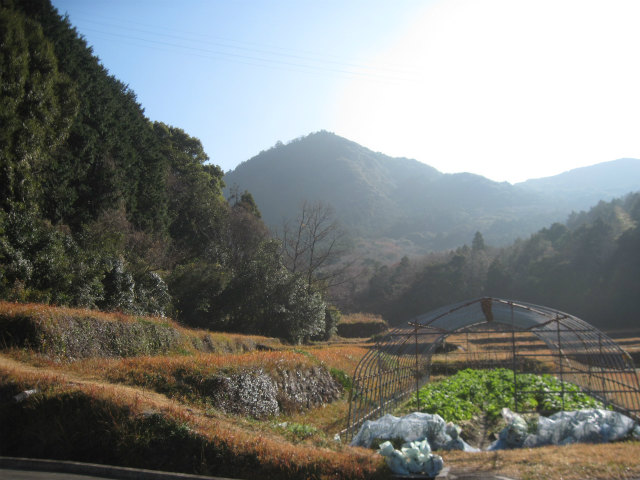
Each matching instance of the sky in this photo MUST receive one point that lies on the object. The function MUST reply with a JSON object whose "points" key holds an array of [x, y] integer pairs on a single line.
{"points": [[507, 89]]}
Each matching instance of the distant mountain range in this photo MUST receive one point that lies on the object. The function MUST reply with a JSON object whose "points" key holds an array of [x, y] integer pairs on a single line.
{"points": [[584, 187], [410, 207]]}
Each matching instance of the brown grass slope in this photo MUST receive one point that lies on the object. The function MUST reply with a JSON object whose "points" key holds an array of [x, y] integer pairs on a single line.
{"points": [[140, 410], [126, 401], [88, 420]]}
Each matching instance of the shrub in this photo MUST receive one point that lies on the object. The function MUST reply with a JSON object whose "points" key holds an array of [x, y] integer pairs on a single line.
{"points": [[69, 334], [298, 431], [361, 325], [342, 378]]}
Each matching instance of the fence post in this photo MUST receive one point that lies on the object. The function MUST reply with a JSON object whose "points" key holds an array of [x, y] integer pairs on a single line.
{"points": [[415, 331]]}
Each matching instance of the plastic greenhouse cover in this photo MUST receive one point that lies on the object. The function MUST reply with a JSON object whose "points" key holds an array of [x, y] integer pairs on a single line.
{"points": [[563, 428], [414, 427]]}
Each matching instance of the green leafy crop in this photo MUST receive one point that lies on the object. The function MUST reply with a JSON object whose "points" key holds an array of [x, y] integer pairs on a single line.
{"points": [[486, 392]]}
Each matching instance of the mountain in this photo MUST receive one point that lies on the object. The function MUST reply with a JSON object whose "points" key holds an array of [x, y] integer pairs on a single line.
{"points": [[587, 266], [358, 183], [583, 187], [403, 202]]}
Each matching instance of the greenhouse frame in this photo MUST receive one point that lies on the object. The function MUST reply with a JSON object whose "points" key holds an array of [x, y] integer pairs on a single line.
{"points": [[492, 333]]}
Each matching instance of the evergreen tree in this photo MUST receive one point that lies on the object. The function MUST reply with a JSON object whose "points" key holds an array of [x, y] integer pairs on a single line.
{"points": [[37, 106]]}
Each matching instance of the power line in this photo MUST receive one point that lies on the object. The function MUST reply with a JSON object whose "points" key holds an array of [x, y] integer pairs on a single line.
{"points": [[264, 57], [224, 43], [251, 60]]}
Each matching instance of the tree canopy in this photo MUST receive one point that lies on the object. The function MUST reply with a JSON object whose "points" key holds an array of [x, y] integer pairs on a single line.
{"points": [[587, 266], [103, 208]]}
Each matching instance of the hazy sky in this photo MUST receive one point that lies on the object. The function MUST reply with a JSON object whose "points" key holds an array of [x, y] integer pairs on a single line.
{"points": [[507, 89]]}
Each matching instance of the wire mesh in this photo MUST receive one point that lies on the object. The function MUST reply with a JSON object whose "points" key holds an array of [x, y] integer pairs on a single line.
{"points": [[492, 333]]}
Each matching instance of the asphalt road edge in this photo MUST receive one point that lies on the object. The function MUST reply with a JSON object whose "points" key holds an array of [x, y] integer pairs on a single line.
{"points": [[94, 469]]}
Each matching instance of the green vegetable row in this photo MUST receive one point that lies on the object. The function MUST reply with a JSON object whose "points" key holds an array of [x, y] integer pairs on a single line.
{"points": [[486, 392]]}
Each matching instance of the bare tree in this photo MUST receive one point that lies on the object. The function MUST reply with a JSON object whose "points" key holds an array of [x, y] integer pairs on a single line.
{"points": [[313, 244]]}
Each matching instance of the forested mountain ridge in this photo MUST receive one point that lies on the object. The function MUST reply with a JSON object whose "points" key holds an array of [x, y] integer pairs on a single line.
{"points": [[587, 266], [584, 187], [409, 202], [102, 208], [323, 166]]}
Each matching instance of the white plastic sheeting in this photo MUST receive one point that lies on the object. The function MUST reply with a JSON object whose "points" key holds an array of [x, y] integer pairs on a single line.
{"points": [[421, 431], [414, 427], [563, 428], [412, 458]]}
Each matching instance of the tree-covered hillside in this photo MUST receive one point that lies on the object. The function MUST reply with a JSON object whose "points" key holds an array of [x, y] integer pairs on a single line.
{"points": [[409, 204], [587, 266], [381, 197], [104, 209], [584, 187]]}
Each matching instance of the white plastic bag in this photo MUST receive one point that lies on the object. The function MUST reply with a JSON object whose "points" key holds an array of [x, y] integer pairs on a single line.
{"points": [[563, 428], [410, 428], [412, 458]]}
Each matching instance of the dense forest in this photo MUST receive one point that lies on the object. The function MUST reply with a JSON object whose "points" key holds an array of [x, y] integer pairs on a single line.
{"points": [[102, 208], [588, 266], [400, 206], [382, 199]]}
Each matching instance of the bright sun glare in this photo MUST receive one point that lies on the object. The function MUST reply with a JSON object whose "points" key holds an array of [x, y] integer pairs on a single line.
{"points": [[508, 89]]}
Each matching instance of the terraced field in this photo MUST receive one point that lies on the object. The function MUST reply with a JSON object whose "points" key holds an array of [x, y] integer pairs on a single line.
{"points": [[164, 397]]}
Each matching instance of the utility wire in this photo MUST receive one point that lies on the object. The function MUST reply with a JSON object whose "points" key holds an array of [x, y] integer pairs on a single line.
{"points": [[224, 43], [251, 60], [260, 57], [160, 29]]}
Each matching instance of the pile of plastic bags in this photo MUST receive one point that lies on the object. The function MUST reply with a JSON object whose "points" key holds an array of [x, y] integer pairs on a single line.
{"points": [[422, 431], [414, 427], [412, 458], [419, 432], [563, 428]]}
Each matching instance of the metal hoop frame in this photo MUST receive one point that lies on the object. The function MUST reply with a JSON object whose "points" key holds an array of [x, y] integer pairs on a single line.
{"points": [[489, 333]]}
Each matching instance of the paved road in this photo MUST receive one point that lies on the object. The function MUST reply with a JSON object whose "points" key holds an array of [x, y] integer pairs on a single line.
{"points": [[9, 474], [30, 469], [12, 474], [33, 469]]}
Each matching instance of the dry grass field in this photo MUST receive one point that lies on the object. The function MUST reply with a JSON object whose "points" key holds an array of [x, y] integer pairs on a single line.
{"points": [[572, 462], [148, 418]]}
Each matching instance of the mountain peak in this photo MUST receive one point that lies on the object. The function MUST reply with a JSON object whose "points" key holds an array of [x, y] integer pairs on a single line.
{"points": [[322, 166], [585, 186], [409, 204]]}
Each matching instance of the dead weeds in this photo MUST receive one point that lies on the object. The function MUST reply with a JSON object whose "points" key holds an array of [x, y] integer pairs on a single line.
{"points": [[571, 462]]}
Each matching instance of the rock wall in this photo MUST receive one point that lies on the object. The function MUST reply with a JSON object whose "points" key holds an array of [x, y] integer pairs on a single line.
{"points": [[300, 389], [251, 393], [258, 394]]}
